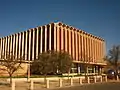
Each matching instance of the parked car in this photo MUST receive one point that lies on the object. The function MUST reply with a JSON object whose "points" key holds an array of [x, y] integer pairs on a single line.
{"points": [[110, 74]]}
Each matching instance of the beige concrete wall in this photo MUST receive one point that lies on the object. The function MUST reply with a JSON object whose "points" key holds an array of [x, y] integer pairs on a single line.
{"points": [[21, 71]]}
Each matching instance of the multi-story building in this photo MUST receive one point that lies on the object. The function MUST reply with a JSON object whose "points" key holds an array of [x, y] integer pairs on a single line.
{"points": [[85, 48]]}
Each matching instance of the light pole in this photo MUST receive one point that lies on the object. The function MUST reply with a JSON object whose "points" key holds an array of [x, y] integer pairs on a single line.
{"points": [[28, 75]]}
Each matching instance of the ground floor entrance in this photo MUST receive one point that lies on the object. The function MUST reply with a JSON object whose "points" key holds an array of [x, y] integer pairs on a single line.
{"points": [[85, 68]]}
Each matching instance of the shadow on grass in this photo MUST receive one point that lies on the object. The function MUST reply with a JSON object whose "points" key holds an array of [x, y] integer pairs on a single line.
{"points": [[4, 84]]}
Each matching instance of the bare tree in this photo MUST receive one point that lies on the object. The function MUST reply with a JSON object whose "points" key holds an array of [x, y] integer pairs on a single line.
{"points": [[113, 58], [10, 64]]}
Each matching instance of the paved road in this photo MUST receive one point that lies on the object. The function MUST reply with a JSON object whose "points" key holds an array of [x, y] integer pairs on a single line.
{"points": [[98, 86]]}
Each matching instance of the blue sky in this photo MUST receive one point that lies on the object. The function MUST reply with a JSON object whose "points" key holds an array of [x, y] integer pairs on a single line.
{"points": [[98, 17]]}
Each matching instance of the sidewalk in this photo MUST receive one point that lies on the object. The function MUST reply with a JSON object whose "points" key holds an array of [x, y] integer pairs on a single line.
{"points": [[54, 84]]}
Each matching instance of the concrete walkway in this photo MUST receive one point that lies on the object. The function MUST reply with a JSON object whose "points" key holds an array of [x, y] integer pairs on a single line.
{"points": [[111, 85], [98, 86], [55, 86]]}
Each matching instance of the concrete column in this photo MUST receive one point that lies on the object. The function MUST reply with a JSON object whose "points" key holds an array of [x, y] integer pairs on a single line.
{"points": [[13, 85], [93, 49], [97, 59], [91, 43], [19, 45], [5, 46], [69, 41], [8, 44], [55, 36], [117, 78], [97, 50], [31, 85], [82, 46], [0, 48], [23, 44], [29, 54], [103, 49], [90, 49], [106, 78], [71, 81], [87, 70], [62, 40], [87, 50], [79, 53], [66, 42], [11, 49], [3, 52], [100, 70], [76, 45], [88, 79], [37, 42], [73, 45], [94, 79], [41, 41], [45, 38], [28, 71], [58, 38], [26, 47], [101, 79], [85, 53], [80, 81], [94, 70], [60, 82], [47, 84], [78, 69], [100, 52], [33, 46], [16, 45], [50, 36], [97, 70]]}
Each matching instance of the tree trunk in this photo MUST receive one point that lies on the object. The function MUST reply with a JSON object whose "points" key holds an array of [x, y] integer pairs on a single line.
{"points": [[45, 76], [116, 73], [10, 79], [85, 72], [68, 73]]}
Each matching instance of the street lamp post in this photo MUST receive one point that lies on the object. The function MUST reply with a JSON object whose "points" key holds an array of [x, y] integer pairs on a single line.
{"points": [[28, 76]]}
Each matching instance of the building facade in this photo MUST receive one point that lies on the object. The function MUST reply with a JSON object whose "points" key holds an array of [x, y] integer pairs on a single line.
{"points": [[85, 48]]}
